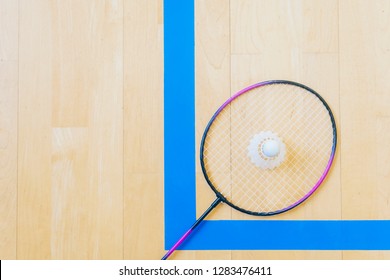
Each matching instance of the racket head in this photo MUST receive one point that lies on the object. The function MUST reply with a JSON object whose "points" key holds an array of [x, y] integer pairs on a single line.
{"points": [[273, 92]]}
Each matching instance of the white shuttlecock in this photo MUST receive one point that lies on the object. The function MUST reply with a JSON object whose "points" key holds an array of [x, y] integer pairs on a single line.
{"points": [[266, 150]]}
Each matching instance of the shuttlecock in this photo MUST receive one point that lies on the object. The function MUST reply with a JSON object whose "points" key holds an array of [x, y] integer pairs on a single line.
{"points": [[266, 150]]}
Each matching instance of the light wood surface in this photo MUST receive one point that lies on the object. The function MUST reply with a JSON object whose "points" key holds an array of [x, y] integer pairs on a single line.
{"points": [[81, 116], [365, 103], [70, 152], [143, 128], [9, 22]]}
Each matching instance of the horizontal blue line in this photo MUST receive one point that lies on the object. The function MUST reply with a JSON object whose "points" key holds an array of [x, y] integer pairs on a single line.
{"points": [[291, 235]]}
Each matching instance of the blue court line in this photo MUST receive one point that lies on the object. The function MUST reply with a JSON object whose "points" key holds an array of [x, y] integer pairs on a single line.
{"points": [[290, 235], [179, 173], [179, 117]]}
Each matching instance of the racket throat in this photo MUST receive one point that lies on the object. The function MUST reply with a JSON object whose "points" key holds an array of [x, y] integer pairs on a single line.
{"points": [[205, 214]]}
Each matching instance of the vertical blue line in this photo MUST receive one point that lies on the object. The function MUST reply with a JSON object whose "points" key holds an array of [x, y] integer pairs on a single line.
{"points": [[179, 118]]}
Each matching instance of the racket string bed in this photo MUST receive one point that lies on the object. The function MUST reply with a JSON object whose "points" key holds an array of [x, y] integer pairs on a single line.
{"points": [[304, 166]]}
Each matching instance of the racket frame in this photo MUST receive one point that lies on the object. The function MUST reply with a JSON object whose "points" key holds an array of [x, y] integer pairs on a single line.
{"points": [[317, 184]]}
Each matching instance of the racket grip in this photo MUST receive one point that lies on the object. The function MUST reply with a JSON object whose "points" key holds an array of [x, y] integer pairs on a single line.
{"points": [[177, 244]]}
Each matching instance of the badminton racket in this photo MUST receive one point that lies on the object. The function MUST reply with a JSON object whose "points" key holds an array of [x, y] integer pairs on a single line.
{"points": [[267, 149]]}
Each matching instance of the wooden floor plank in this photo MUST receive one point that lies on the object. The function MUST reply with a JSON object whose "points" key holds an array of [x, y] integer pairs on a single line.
{"points": [[9, 45], [143, 130], [365, 118], [70, 203]]}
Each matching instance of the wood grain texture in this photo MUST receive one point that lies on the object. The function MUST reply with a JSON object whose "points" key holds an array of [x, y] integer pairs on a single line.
{"points": [[365, 117], [144, 221], [34, 143], [8, 158], [70, 168], [9, 22], [143, 130], [9, 26], [266, 26], [365, 101], [143, 87], [366, 255], [212, 54], [212, 71]]}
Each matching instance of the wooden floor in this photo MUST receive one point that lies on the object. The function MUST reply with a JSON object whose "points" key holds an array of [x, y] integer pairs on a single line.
{"points": [[81, 116]]}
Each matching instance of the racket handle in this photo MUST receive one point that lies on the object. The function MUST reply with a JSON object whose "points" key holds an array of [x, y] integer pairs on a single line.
{"points": [[197, 222], [177, 244]]}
